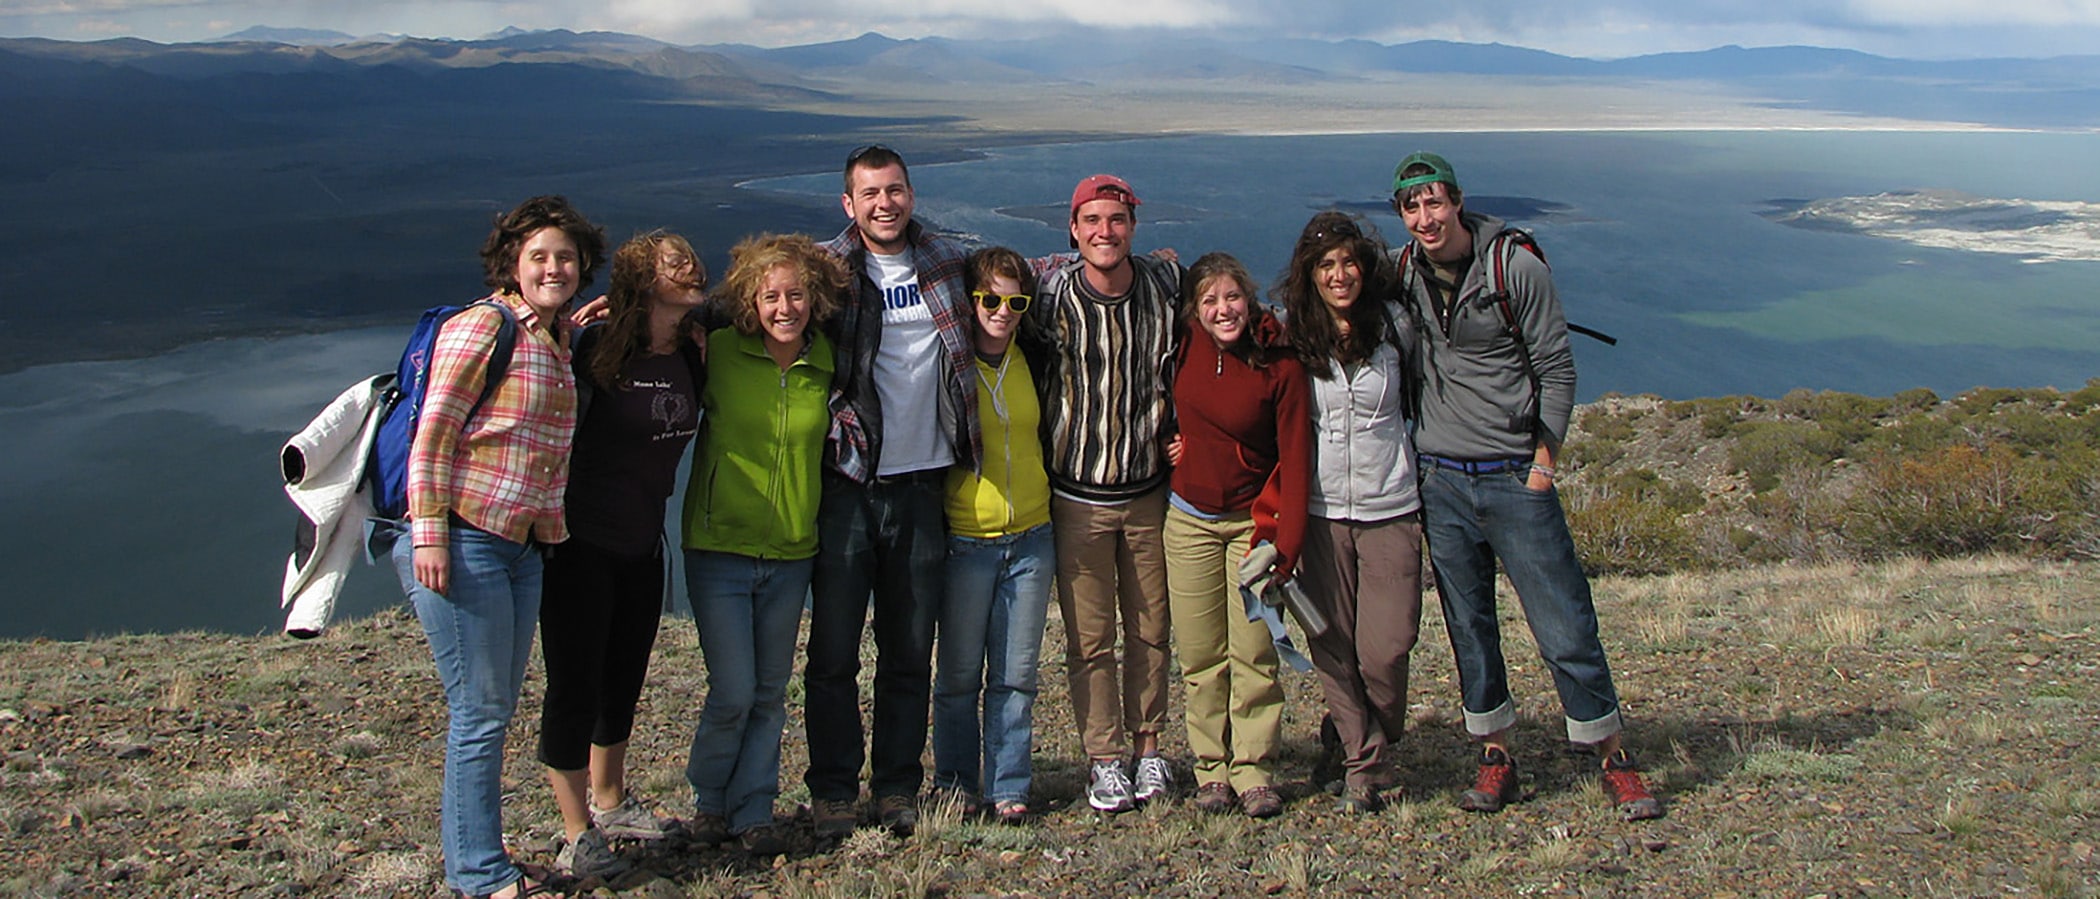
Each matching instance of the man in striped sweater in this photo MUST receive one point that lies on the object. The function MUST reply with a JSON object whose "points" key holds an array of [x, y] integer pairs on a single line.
{"points": [[1108, 321]]}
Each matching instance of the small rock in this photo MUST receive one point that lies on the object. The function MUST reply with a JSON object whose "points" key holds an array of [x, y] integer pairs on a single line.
{"points": [[2028, 659], [129, 751], [27, 821], [1655, 845]]}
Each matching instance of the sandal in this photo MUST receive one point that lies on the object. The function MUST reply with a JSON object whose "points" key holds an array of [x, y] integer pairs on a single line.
{"points": [[1010, 811]]}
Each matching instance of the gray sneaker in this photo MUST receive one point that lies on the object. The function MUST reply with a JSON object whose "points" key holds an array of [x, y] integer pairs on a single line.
{"points": [[1153, 778], [1108, 788], [589, 855], [627, 821]]}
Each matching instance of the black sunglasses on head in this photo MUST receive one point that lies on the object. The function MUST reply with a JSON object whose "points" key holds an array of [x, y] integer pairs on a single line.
{"points": [[1018, 302], [862, 152]]}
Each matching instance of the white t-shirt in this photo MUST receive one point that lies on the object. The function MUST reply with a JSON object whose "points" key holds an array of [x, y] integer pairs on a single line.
{"points": [[908, 370]]}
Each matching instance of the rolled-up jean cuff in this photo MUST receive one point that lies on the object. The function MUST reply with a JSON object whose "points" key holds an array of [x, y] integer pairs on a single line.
{"points": [[1589, 732], [1499, 719]]}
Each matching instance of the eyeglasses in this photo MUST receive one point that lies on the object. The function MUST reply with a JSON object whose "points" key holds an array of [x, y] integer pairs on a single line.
{"points": [[1018, 302]]}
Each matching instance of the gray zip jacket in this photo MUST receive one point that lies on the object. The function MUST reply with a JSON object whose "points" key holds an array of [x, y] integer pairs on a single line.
{"points": [[1363, 464], [1475, 399]]}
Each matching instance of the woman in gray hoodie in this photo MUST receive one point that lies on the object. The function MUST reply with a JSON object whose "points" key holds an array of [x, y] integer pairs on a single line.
{"points": [[1362, 559]]}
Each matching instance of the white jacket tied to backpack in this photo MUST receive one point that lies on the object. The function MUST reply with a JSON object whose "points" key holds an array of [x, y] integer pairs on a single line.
{"points": [[323, 467]]}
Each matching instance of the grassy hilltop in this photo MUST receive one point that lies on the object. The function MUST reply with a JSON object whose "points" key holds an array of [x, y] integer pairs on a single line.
{"points": [[1823, 713]]}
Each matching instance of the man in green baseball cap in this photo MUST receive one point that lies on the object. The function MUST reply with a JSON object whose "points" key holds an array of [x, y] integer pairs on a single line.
{"points": [[1496, 384]]}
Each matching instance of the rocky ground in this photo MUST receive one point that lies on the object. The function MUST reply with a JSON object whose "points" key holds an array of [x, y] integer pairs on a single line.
{"points": [[1907, 729]]}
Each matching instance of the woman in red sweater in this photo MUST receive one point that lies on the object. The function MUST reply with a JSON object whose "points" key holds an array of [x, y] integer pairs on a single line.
{"points": [[1240, 479]]}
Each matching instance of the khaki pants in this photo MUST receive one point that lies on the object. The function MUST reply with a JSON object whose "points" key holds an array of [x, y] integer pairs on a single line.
{"points": [[1109, 560], [1234, 706]]}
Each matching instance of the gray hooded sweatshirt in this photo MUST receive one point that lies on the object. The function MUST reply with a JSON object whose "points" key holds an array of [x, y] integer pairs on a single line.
{"points": [[1476, 401]]}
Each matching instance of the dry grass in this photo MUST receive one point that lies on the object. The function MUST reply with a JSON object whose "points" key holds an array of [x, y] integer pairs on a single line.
{"points": [[1901, 729]]}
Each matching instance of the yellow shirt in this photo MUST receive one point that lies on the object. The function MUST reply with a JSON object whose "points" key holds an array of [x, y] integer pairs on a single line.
{"points": [[1012, 494]]}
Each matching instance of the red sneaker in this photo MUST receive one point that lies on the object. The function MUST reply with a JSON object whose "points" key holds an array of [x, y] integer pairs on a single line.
{"points": [[1495, 785], [1623, 787]]}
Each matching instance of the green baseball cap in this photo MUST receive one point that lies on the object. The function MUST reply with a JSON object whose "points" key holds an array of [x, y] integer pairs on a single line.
{"points": [[1439, 170]]}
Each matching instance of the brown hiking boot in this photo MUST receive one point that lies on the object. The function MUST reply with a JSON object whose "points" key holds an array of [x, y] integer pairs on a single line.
{"points": [[1626, 792], [833, 817], [1495, 785], [1215, 798]]}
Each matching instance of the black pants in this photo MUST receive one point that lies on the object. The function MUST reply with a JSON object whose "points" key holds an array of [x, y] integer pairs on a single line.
{"points": [[883, 544], [598, 617]]}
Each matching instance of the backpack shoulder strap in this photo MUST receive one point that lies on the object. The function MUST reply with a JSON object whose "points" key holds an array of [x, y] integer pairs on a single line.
{"points": [[499, 357], [1500, 250]]}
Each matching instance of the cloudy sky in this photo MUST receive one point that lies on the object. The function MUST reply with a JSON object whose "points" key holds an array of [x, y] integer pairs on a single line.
{"points": [[1610, 28]]}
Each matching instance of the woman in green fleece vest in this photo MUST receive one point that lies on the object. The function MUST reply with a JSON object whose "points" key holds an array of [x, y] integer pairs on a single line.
{"points": [[750, 523]]}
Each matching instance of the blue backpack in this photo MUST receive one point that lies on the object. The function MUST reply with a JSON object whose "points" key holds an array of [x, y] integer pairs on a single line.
{"points": [[386, 469]]}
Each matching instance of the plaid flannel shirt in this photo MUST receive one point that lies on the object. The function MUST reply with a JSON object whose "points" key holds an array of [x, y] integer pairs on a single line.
{"points": [[855, 441], [505, 469]]}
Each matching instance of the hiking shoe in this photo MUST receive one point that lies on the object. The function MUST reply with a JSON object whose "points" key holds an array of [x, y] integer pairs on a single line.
{"points": [[1495, 785], [1328, 769], [1261, 802], [1361, 800], [898, 813], [833, 817], [1153, 778], [1108, 788], [1624, 789], [762, 841], [1215, 798], [627, 821], [708, 829], [589, 855]]}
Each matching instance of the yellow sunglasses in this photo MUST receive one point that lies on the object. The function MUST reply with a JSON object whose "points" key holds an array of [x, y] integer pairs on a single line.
{"points": [[1018, 302]]}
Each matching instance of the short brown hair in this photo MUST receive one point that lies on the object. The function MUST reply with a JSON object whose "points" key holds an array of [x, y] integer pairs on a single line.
{"points": [[499, 253], [874, 156]]}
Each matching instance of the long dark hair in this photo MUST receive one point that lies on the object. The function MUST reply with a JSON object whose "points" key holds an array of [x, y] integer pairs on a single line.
{"points": [[1312, 329], [635, 266]]}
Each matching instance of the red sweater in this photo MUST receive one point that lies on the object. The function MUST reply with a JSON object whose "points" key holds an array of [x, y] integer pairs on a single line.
{"points": [[1246, 436]]}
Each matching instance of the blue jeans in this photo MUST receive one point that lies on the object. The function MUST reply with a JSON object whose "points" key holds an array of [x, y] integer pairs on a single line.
{"points": [[747, 611], [884, 543], [991, 638], [480, 636], [1474, 520]]}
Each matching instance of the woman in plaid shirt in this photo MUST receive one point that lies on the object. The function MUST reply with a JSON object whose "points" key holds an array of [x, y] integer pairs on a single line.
{"points": [[484, 499]]}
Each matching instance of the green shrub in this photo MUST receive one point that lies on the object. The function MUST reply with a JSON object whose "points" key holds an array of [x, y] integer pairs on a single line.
{"points": [[1597, 422], [1764, 450], [1916, 399], [1956, 500], [1623, 533]]}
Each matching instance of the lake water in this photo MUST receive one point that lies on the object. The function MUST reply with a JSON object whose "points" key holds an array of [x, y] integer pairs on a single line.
{"points": [[143, 494]]}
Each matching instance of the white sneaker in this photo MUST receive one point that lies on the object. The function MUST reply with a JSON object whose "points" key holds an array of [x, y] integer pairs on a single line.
{"points": [[1109, 789], [1153, 778], [627, 821]]}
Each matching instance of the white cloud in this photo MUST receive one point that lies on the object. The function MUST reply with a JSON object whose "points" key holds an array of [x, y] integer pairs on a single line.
{"points": [[1597, 29]]}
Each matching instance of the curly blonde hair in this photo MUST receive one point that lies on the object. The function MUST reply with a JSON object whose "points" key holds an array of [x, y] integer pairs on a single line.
{"points": [[822, 276]]}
